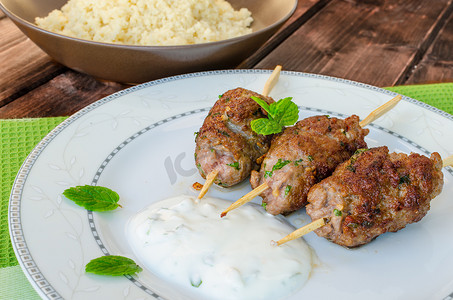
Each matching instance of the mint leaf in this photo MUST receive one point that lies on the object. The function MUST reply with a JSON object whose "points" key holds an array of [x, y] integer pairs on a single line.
{"points": [[262, 103], [282, 113], [95, 198], [113, 265], [265, 126], [286, 112]]}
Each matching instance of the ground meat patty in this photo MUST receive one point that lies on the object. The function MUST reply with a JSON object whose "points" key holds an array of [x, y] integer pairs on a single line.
{"points": [[303, 155], [375, 192], [226, 141]]}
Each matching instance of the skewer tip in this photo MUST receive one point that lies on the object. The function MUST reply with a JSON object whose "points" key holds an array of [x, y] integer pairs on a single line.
{"points": [[272, 80], [380, 111], [246, 198], [209, 181], [448, 162], [302, 231]]}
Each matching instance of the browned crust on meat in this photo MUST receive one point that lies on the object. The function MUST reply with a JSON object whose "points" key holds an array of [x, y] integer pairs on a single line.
{"points": [[312, 148], [375, 192], [226, 142]]}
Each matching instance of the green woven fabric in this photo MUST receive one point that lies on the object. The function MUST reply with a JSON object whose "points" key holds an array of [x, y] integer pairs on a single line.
{"points": [[18, 138], [15, 286], [438, 95]]}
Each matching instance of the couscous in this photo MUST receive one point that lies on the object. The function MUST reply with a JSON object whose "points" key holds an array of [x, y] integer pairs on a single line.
{"points": [[149, 22]]}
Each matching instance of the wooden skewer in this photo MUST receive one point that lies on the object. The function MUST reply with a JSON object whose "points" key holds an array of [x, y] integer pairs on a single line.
{"points": [[246, 198], [323, 221], [374, 115], [249, 196], [270, 83], [209, 181], [301, 231], [448, 161], [380, 111]]}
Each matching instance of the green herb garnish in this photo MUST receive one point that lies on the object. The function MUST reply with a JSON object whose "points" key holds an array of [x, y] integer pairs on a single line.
{"points": [[234, 165], [354, 158], [267, 174], [196, 284], [337, 212], [310, 158], [297, 162], [95, 198], [287, 189], [200, 169], [351, 168], [113, 265], [264, 204], [280, 164], [282, 113]]}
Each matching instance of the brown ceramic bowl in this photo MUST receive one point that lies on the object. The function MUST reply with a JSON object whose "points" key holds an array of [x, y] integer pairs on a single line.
{"points": [[137, 64]]}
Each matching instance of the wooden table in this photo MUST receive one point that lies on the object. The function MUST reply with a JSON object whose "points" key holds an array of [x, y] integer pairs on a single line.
{"points": [[379, 42]]}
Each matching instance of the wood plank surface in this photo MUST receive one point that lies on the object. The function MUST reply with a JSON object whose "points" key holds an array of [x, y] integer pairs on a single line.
{"points": [[34, 84], [38, 89], [23, 65], [437, 65], [379, 42], [304, 11], [61, 96], [369, 41]]}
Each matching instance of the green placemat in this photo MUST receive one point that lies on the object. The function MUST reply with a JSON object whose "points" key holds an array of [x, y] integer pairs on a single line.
{"points": [[438, 95], [18, 137]]}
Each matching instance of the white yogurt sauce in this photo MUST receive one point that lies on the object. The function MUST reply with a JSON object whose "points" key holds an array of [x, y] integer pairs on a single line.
{"points": [[187, 243]]}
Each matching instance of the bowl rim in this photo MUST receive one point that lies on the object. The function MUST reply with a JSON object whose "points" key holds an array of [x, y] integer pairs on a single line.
{"points": [[28, 24]]}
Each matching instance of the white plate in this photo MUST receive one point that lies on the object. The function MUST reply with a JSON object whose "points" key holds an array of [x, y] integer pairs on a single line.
{"points": [[140, 142]]}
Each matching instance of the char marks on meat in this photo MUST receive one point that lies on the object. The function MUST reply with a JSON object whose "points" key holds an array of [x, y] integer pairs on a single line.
{"points": [[375, 192], [303, 155], [226, 142]]}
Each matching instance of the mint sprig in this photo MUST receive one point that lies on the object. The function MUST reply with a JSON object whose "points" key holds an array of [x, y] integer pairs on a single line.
{"points": [[112, 265], [95, 198], [282, 113]]}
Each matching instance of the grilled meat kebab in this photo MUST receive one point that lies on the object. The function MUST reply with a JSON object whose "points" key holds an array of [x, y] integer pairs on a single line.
{"points": [[303, 155], [374, 192], [226, 142]]}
